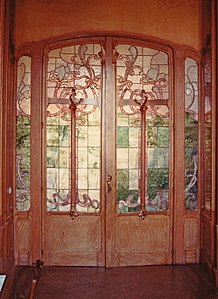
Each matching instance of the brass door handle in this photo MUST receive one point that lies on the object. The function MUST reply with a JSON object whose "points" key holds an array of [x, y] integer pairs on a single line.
{"points": [[109, 179]]}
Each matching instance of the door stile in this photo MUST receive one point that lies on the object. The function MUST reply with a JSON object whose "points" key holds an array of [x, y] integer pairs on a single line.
{"points": [[110, 152], [179, 183], [172, 154], [36, 165]]}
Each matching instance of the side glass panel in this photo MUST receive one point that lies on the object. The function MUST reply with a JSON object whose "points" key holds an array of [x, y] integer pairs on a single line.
{"points": [[23, 123], [191, 134], [78, 67], [207, 81], [142, 80], [207, 154]]}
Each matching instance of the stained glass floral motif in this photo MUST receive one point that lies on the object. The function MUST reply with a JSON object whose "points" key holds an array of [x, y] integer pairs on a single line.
{"points": [[140, 68], [140, 71], [78, 68], [191, 134], [23, 124]]}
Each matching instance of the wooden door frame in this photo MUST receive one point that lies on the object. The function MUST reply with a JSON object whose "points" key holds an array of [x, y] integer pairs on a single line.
{"points": [[32, 217]]}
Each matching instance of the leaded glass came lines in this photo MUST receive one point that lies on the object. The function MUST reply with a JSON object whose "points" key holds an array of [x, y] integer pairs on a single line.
{"points": [[191, 134], [78, 68], [23, 124], [142, 72]]}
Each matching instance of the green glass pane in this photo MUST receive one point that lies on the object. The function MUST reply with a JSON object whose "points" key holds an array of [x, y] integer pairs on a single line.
{"points": [[191, 136], [162, 158], [152, 161], [157, 179], [152, 136], [190, 120], [23, 132], [122, 180], [64, 135], [52, 157], [122, 136], [163, 136], [133, 136], [53, 135]]}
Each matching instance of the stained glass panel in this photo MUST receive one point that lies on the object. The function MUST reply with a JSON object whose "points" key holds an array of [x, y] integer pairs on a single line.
{"points": [[191, 134], [207, 81], [23, 125], [208, 159], [78, 67], [140, 68], [140, 71]]}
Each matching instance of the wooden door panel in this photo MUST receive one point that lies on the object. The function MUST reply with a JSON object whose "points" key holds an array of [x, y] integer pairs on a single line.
{"points": [[143, 242], [73, 242], [136, 235]]}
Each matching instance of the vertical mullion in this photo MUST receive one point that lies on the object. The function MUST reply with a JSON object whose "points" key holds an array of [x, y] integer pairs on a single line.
{"points": [[36, 165], [110, 151], [179, 167], [143, 157], [73, 161]]}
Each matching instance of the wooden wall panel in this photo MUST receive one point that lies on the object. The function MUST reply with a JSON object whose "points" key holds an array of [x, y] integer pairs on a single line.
{"points": [[191, 240], [205, 238], [23, 240]]}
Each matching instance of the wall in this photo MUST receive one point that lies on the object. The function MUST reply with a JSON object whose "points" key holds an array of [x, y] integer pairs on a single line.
{"points": [[6, 164], [173, 20]]}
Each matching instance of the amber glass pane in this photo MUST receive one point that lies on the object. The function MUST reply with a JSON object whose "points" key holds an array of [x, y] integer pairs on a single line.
{"points": [[191, 134], [77, 67], [23, 134]]}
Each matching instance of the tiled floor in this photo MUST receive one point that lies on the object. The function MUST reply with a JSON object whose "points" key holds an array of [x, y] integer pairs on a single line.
{"points": [[179, 282]]}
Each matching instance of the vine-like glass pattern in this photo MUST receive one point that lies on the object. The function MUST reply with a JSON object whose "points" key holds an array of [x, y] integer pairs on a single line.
{"points": [[142, 71], [23, 124], [77, 67], [191, 134], [141, 68], [207, 81]]}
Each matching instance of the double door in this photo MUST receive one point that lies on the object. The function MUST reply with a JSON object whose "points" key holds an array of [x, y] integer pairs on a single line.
{"points": [[108, 144]]}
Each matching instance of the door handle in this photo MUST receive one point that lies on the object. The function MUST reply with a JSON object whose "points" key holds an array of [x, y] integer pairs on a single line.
{"points": [[109, 179]]}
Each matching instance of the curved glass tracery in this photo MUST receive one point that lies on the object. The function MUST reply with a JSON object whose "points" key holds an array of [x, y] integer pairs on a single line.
{"points": [[191, 134], [23, 120]]}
